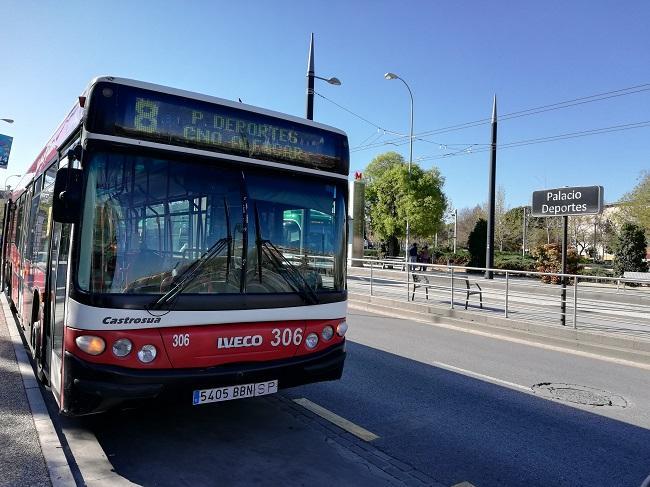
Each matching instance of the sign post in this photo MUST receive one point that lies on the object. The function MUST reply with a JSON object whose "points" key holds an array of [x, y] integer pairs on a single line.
{"points": [[576, 201]]}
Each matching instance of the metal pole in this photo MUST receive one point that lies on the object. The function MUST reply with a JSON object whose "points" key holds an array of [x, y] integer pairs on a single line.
{"points": [[310, 80], [523, 240], [595, 251], [489, 251], [452, 287], [565, 242], [408, 279], [575, 303], [408, 225], [455, 228], [371, 266], [506, 305]]}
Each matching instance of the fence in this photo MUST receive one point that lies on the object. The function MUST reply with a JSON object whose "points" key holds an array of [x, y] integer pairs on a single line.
{"points": [[606, 304]]}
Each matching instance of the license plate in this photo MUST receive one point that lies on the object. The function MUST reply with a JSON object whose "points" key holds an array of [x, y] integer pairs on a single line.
{"points": [[229, 393]]}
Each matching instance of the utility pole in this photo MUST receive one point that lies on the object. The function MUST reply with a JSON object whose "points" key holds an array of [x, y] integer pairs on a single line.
{"points": [[455, 228], [489, 250], [565, 245], [523, 240], [310, 80]]}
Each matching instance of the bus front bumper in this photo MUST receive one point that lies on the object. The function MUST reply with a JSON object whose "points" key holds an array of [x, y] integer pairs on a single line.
{"points": [[94, 388]]}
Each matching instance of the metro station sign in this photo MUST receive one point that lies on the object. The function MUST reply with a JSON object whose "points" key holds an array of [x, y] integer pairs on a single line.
{"points": [[581, 200]]}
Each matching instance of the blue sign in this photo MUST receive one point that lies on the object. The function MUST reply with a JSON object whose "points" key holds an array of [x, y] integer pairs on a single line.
{"points": [[5, 149]]}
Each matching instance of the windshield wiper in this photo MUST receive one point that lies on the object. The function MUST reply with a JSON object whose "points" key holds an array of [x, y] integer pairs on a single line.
{"points": [[282, 265], [185, 277]]}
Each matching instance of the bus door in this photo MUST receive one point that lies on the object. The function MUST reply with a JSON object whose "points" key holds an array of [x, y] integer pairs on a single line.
{"points": [[57, 290], [23, 264]]}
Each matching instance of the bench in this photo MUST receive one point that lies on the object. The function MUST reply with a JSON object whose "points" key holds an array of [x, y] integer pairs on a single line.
{"points": [[389, 262], [637, 276], [461, 283], [640, 277]]}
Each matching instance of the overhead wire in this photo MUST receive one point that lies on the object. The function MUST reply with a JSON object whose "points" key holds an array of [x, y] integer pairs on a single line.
{"points": [[520, 113], [541, 140]]}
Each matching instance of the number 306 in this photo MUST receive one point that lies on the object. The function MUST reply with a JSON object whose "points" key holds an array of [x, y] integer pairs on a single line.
{"points": [[286, 337], [182, 340]]}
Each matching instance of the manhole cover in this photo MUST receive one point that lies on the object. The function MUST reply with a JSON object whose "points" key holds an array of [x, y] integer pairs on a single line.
{"points": [[579, 394]]}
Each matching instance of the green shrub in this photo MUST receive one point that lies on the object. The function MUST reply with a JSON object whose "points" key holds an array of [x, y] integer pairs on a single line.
{"points": [[630, 250], [549, 259], [370, 253], [514, 262], [477, 243]]}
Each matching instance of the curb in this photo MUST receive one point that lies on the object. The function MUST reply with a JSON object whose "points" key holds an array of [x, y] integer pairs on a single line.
{"points": [[55, 460], [572, 340]]}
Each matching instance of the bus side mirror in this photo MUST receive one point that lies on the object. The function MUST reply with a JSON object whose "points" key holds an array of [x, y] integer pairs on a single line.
{"points": [[66, 201]]}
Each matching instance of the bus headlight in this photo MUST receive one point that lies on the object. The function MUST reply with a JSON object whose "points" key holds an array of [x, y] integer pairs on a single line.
{"points": [[311, 341], [147, 353], [327, 333], [342, 328], [91, 344], [122, 347]]}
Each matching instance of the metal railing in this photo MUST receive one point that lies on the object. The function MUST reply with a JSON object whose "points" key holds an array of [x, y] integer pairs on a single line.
{"points": [[605, 304]]}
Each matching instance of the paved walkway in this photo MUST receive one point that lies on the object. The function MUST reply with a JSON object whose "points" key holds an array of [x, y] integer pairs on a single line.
{"points": [[21, 458]]}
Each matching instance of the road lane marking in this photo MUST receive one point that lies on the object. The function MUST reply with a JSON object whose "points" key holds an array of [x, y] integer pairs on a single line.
{"points": [[464, 484], [521, 341], [476, 375], [333, 418]]}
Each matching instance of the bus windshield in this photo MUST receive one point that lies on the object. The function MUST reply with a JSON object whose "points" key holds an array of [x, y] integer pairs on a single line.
{"points": [[147, 221]]}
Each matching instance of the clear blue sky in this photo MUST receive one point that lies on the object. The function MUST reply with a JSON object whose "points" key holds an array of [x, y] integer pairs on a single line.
{"points": [[455, 55]]}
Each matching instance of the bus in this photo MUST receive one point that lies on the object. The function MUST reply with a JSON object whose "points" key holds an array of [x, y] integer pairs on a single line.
{"points": [[168, 244]]}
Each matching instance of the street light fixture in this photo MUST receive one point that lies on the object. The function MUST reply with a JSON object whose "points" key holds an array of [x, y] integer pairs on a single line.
{"points": [[8, 120], [12, 176], [332, 81], [391, 76]]}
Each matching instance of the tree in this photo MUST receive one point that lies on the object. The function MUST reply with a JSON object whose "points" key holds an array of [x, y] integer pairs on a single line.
{"points": [[635, 205], [500, 209], [630, 250], [477, 243], [467, 218], [513, 223], [392, 196]]}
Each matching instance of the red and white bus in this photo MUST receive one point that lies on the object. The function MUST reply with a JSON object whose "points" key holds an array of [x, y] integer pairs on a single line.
{"points": [[167, 243]]}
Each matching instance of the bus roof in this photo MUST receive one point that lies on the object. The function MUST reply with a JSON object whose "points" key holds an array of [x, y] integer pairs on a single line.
{"points": [[76, 115]]}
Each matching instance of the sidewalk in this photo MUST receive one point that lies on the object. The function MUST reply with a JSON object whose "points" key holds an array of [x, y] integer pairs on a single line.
{"points": [[21, 458], [30, 450]]}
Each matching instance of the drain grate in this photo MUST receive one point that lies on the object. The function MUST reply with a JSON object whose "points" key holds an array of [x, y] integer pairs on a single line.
{"points": [[578, 394]]}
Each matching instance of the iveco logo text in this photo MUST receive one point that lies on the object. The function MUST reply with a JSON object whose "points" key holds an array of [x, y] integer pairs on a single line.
{"points": [[235, 342], [109, 320]]}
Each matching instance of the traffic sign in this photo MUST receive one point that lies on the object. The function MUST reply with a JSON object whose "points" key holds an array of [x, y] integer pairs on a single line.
{"points": [[581, 200]]}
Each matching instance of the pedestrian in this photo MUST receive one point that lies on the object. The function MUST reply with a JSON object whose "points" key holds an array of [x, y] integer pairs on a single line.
{"points": [[424, 257], [413, 255]]}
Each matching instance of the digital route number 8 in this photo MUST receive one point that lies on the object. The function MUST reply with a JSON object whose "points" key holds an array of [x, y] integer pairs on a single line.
{"points": [[146, 116]]}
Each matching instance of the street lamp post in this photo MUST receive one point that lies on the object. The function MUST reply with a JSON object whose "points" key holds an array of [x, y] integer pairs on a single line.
{"points": [[455, 228], [390, 76], [311, 76], [12, 176]]}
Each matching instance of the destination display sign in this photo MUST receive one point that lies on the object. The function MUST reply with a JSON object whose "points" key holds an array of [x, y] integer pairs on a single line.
{"points": [[159, 117], [582, 200]]}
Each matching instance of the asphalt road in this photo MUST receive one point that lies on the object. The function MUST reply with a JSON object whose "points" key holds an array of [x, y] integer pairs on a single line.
{"points": [[448, 407], [403, 383]]}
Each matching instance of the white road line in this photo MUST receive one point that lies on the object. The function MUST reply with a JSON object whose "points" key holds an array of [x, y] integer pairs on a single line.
{"points": [[333, 418], [489, 378], [555, 348]]}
